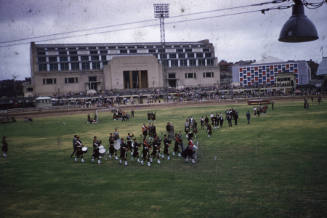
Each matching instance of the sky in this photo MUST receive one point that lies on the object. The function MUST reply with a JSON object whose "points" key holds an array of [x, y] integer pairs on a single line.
{"points": [[247, 36]]}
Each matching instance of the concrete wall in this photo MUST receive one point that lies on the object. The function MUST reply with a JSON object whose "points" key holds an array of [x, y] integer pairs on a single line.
{"points": [[61, 88], [113, 72], [199, 80]]}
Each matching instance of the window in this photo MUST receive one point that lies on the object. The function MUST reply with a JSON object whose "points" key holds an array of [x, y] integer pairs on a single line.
{"points": [[173, 55], [183, 63], [190, 75], [152, 50], [54, 67], [209, 62], [71, 80], [62, 52], [42, 67], [73, 58], [133, 51], [172, 75], [163, 56], [190, 55], [85, 66], [208, 75], [40, 51], [63, 58], [94, 58], [49, 81], [75, 65], [64, 66], [199, 55], [52, 59], [208, 55], [103, 52], [192, 62], [92, 78], [95, 65], [73, 52], [174, 63], [42, 59], [84, 58], [181, 55], [94, 52], [201, 62], [123, 51], [179, 50]]}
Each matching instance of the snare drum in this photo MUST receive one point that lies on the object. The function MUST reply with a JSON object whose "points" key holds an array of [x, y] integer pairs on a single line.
{"points": [[117, 144], [102, 151]]}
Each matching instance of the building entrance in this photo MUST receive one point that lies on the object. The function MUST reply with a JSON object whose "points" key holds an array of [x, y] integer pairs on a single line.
{"points": [[136, 79]]}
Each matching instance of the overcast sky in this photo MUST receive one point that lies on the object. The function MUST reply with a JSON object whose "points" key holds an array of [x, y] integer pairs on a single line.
{"points": [[238, 37]]}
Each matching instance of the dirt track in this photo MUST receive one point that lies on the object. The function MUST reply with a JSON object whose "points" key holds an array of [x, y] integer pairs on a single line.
{"points": [[65, 112]]}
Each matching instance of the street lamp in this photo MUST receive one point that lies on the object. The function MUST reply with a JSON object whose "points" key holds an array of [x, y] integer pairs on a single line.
{"points": [[298, 28]]}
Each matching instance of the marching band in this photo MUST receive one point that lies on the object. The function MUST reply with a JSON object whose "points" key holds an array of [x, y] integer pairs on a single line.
{"points": [[150, 150]]}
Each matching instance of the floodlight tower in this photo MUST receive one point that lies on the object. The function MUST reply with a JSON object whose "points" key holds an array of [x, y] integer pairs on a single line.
{"points": [[161, 11]]}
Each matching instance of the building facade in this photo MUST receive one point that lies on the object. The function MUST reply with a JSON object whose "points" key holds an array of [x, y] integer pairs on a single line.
{"points": [[266, 74], [59, 69]]}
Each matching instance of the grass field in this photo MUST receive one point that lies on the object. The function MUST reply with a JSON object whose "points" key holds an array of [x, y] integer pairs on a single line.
{"points": [[274, 167]]}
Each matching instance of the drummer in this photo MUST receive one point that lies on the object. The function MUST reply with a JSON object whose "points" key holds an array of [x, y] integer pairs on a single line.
{"points": [[123, 152], [96, 154], [136, 150], [79, 153], [145, 152]]}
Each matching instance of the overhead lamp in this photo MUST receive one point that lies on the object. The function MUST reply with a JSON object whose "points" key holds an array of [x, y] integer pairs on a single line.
{"points": [[298, 28]]}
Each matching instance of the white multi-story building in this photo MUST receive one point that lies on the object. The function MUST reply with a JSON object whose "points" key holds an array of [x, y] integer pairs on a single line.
{"points": [[58, 69]]}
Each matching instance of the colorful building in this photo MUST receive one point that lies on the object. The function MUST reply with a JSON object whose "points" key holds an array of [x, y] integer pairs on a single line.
{"points": [[264, 74]]}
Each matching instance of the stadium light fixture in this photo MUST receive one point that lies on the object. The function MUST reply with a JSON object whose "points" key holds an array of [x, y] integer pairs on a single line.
{"points": [[298, 28]]}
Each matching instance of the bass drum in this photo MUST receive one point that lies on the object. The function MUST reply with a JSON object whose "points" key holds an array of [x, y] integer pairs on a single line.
{"points": [[102, 151], [117, 144], [84, 149]]}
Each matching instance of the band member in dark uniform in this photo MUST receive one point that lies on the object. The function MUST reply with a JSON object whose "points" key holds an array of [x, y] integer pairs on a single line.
{"points": [[202, 122], [206, 120], [129, 142], [123, 152], [167, 143], [155, 149], [111, 149], [144, 131], [4, 147], [136, 150], [74, 146], [79, 153], [96, 154], [189, 152], [145, 152], [209, 129], [176, 147]]}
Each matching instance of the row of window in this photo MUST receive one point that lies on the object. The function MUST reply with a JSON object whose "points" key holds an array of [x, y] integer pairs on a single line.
{"points": [[86, 65], [204, 74], [52, 81], [151, 48], [52, 59]]}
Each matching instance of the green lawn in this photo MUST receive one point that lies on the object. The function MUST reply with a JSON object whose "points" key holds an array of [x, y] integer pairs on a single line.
{"points": [[274, 167]]}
